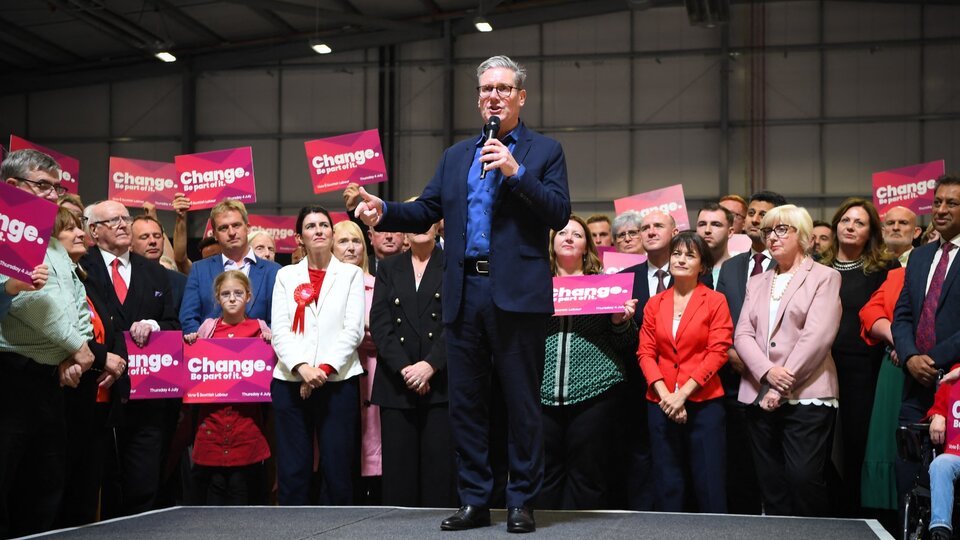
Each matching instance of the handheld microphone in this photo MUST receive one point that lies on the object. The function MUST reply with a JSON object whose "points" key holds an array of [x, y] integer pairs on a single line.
{"points": [[492, 128]]}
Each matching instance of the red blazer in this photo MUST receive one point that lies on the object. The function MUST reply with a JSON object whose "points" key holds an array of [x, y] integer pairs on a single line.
{"points": [[699, 350], [881, 304]]}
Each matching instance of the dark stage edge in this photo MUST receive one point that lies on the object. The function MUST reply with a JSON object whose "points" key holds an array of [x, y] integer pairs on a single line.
{"points": [[382, 523]]}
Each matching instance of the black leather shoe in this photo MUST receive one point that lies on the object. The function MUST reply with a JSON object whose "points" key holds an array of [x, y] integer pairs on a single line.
{"points": [[520, 520], [467, 517]]}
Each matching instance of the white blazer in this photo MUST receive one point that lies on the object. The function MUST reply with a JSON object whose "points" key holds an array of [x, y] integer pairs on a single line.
{"points": [[333, 325]]}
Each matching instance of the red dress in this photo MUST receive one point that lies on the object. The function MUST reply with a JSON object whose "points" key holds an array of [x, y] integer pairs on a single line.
{"points": [[231, 435]]}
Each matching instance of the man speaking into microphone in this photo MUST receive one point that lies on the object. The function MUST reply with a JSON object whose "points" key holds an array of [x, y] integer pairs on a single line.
{"points": [[499, 194]]}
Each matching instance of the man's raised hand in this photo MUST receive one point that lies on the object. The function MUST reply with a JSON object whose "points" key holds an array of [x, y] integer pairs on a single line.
{"points": [[370, 209]]}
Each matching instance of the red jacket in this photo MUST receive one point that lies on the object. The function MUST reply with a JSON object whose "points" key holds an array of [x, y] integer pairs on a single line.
{"points": [[699, 350]]}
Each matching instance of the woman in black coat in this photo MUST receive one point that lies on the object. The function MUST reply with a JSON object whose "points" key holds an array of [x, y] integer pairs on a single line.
{"points": [[410, 383]]}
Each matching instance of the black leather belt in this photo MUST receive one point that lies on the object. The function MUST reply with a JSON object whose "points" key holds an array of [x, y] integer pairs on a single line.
{"points": [[476, 267]]}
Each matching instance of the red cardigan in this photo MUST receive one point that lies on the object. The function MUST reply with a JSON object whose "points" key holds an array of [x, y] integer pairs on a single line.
{"points": [[699, 350]]}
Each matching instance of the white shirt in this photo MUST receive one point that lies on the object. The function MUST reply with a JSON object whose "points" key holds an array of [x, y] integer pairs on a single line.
{"points": [[124, 267], [653, 281], [939, 254], [244, 266]]}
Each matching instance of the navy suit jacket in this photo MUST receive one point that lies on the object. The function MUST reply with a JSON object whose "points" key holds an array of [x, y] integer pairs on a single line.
{"points": [[199, 303], [526, 207], [641, 290], [906, 318]]}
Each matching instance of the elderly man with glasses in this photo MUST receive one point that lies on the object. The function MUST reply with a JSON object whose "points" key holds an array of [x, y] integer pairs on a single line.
{"points": [[139, 299]]}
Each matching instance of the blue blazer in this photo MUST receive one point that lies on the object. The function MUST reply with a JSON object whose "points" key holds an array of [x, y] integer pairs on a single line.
{"points": [[906, 318], [526, 207], [198, 301]]}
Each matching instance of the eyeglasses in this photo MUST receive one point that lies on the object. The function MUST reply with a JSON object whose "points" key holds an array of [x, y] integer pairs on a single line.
{"points": [[42, 186], [502, 90], [780, 230], [631, 234], [227, 295], [114, 222]]}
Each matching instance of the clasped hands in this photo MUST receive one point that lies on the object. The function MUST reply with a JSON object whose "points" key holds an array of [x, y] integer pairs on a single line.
{"points": [[781, 381], [417, 377]]}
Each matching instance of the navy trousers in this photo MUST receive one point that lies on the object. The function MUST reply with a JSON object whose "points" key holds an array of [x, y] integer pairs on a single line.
{"points": [[482, 343]]}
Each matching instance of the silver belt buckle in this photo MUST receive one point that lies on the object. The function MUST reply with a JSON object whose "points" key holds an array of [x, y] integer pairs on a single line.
{"points": [[483, 267]]}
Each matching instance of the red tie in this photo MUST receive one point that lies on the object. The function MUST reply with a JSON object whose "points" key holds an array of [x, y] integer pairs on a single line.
{"points": [[926, 328], [757, 264], [661, 286], [119, 284]]}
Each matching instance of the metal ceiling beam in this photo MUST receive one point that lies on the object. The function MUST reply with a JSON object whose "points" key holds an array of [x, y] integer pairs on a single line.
{"points": [[108, 30], [13, 55], [275, 20], [37, 43], [188, 22], [117, 20], [354, 19]]}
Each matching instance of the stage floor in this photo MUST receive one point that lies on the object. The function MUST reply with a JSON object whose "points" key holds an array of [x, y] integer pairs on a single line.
{"points": [[371, 523]]}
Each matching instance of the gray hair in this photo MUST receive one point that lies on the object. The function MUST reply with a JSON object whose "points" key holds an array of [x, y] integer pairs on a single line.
{"points": [[90, 212], [519, 72], [630, 217], [20, 162]]}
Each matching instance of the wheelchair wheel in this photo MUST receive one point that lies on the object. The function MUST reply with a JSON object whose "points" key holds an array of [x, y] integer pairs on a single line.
{"points": [[914, 523]]}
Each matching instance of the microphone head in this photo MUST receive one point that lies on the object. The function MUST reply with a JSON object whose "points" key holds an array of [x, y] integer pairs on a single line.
{"points": [[493, 125]]}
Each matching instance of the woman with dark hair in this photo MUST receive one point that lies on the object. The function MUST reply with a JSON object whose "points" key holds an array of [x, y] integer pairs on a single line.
{"points": [[858, 253], [683, 343], [318, 320], [582, 378], [86, 419]]}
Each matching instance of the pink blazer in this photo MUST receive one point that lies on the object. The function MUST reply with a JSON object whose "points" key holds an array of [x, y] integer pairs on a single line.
{"points": [[804, 329]]}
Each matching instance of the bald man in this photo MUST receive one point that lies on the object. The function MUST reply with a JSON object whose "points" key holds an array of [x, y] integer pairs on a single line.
{"points": [[899, 231]]}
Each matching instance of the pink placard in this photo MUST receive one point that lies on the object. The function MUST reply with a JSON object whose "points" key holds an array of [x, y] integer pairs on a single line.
{"points": [[26, 222], [589, 295], [669, 199], [136, 181], [953, 421], [156, 370], [614, 261], [910, 187], [228, 370], [69, 166], [209, 177], [739, 243], [337, 161]]}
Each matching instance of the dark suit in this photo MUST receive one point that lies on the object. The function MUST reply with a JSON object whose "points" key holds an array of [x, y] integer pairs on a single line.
{"points": [[743, 492], [405, 322], [146, 425], [638, 473], [496, 322], [178, 284], [198, 301], [917, 398]]}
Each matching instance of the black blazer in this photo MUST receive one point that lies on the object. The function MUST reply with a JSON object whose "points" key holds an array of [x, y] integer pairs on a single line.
{"points": [[407, 326], [178, 284], [84, 397], [641, 290], [149, 295]]}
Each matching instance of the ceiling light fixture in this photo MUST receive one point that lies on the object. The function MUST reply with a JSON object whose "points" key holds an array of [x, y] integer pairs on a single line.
{"points": [[320, 47], [165, 56], [482, 25]]}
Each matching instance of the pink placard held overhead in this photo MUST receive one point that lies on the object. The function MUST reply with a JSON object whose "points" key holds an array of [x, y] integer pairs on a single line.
{"points": [[156, 370], [669, 199], [337, 161], [589, 295], [614, 261], [69, 166], [136, 181], [26, 222], [910, 187], [209, 177], [228, 370]]}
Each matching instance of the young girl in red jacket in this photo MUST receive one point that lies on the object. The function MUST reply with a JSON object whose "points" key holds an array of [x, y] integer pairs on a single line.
{"points": [[229, 447]]}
